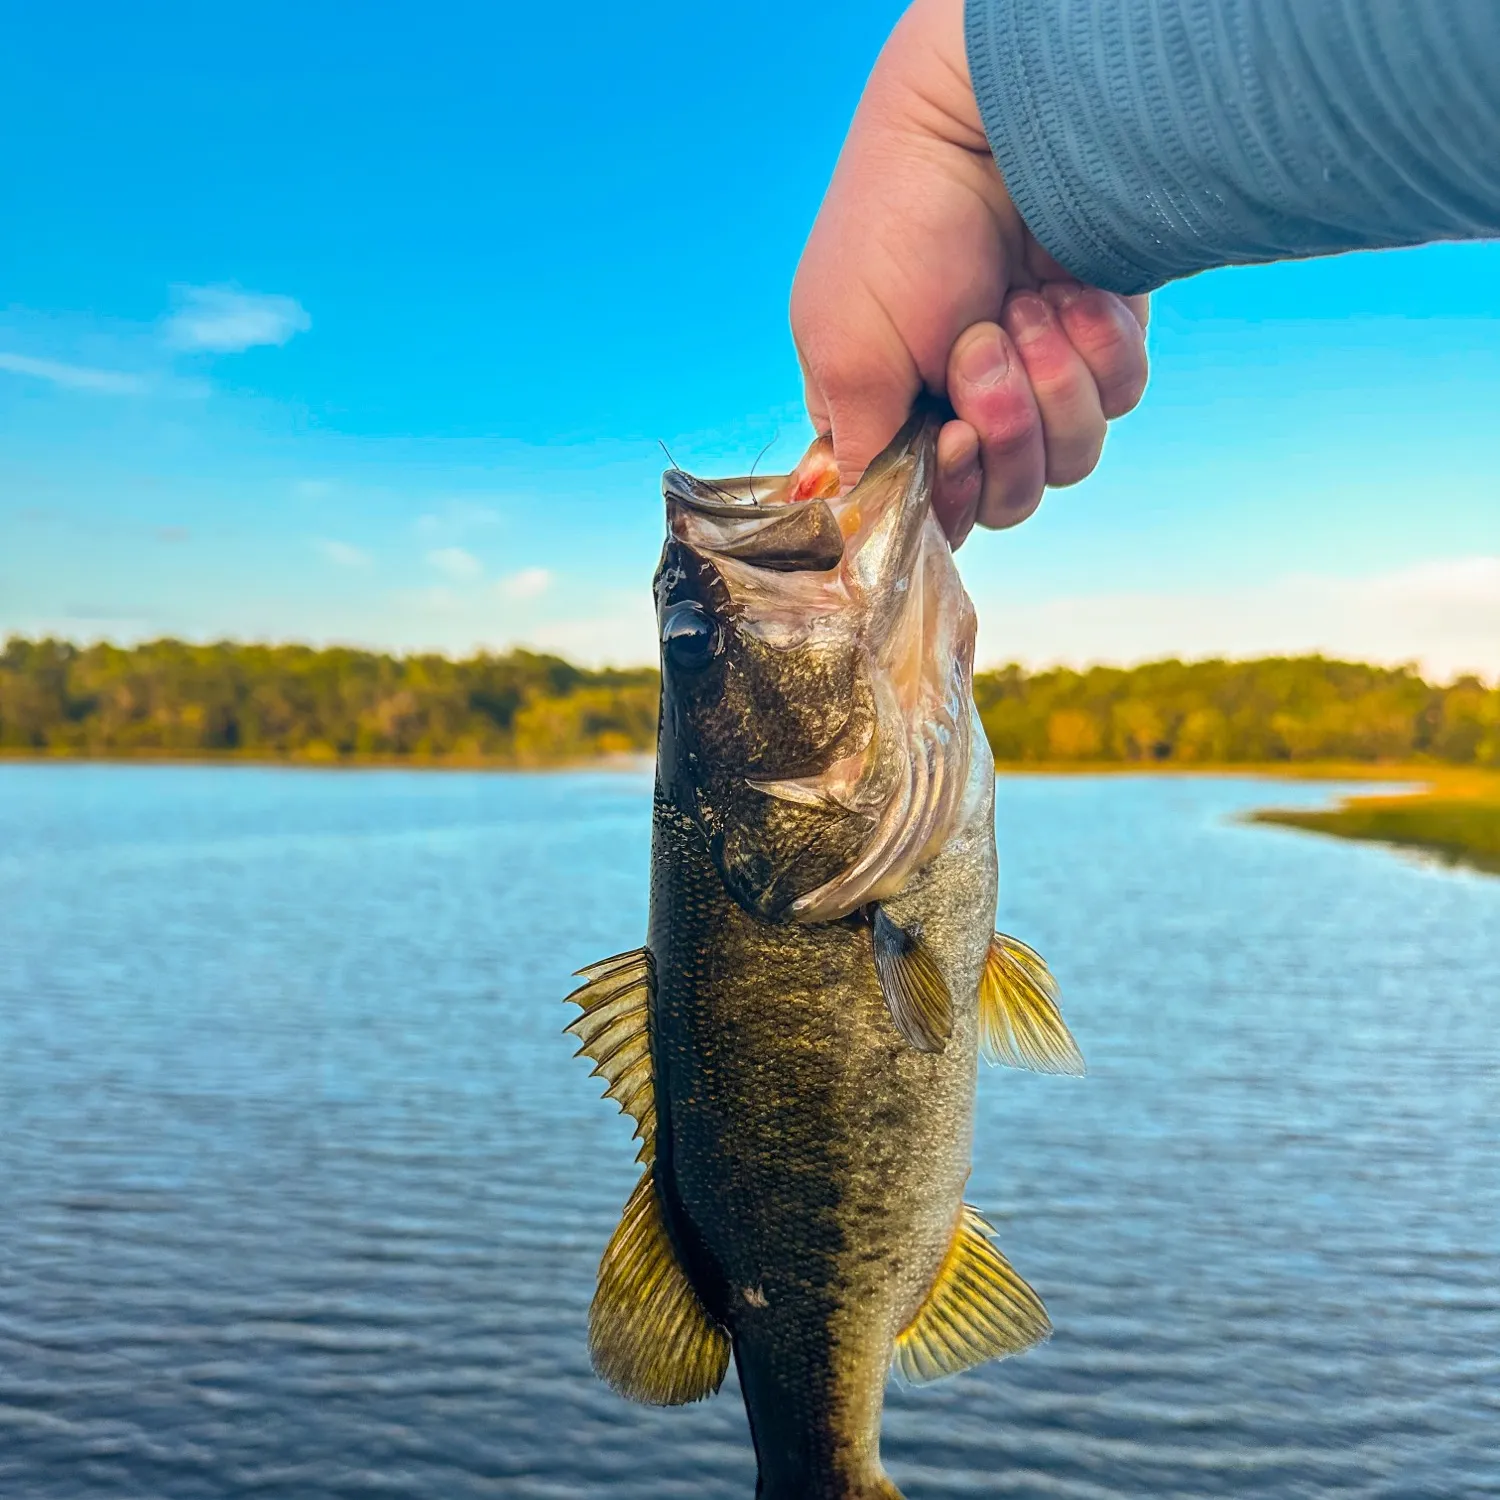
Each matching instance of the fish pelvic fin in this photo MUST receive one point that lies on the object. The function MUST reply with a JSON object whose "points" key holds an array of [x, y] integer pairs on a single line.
{"points": [[978, 1309], [650, 1337], [1020, 1024], [613, 1030], [916, 994]]}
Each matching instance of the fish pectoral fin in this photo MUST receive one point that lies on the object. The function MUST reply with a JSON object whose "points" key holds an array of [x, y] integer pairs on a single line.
{"points": [[615, 997], [978, 1309], [650, 1337], [916, 994], [1019, 1022]]}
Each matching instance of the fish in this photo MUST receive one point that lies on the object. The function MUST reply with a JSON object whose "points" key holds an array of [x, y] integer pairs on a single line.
{"points": [[797, 1039]]}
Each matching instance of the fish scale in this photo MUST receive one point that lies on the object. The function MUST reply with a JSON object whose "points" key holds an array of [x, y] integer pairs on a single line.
{"points": [[807, 1120], [814, 1157]]}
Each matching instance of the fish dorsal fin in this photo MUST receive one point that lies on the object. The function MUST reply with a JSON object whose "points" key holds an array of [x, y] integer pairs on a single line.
{"points": [[615, 997], [1019, 1022], [650, 1337], [978, 1309], [916, 994]]}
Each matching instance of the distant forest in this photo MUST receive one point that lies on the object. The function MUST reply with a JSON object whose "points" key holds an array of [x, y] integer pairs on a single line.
{"points": [[294, 702], [168, 698]]}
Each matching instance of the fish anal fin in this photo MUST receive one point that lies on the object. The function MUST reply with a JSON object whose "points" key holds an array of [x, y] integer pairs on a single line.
{"points": [[1020, 1024], [916, 994], [978, 1309], [650, 1337], [615, 999]]}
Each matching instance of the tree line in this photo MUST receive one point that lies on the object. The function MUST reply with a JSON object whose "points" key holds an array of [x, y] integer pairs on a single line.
{"points": [[1304, 708], [170, 698], [295, 702]]}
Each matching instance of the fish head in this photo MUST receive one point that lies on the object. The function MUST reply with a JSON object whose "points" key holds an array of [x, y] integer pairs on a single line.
{"points": [[817, 665]]}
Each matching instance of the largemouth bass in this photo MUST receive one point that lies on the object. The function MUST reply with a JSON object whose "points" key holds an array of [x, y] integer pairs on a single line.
{"points": [[797, 1039]]}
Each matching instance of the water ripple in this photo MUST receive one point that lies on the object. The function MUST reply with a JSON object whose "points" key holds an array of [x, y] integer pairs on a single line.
{"points": [[303, 1192]]}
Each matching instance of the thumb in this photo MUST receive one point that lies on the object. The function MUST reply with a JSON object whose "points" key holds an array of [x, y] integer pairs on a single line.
{"points": [[864, 412], [863, 422], [812, 399], [859, 378]]}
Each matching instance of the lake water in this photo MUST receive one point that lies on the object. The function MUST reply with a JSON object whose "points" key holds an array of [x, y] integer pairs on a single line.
{"points": [[301, 1191]]}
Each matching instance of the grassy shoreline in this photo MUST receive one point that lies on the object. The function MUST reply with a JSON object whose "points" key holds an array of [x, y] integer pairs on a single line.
{"points": [[1402, 771], [1268, 770], [1450, 813]]}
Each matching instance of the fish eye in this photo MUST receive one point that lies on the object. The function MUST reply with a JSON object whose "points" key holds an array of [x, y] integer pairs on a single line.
{"points": [[690, 636]]}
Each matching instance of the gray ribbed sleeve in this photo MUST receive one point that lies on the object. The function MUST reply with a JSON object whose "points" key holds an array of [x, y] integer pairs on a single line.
{"points": [[1143, 140]]}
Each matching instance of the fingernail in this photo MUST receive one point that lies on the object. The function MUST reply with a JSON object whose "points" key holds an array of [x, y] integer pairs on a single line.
{"points": [[1027, 315], [1064, 293], [986, 360]]}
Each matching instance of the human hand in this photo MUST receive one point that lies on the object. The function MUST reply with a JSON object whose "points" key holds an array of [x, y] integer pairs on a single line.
{"points": [[919, 273]]}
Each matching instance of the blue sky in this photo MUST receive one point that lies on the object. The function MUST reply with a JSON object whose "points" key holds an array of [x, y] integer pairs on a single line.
{"points": [[363, 324]]}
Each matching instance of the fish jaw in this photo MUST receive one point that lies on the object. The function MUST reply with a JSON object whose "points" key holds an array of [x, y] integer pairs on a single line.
{"points": [[868, 578], [918, 628], [757, 710]]}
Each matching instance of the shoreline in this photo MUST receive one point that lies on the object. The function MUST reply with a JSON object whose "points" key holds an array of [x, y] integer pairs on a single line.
{"points": [[1453, 816], [637, 760], [1268, 770], [632, 762], [1445, 812]]}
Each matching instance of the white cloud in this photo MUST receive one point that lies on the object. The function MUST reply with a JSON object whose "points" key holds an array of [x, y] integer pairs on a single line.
{"points": [[529, 583], [455, 562], [1463, 588], [75, 377], [454, 518], [344, 555], [225, 320], [1444, 615]]}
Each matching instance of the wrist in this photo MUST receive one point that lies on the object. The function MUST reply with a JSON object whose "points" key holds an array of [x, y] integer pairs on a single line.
{"points": [[920, 103], [926, 64]]}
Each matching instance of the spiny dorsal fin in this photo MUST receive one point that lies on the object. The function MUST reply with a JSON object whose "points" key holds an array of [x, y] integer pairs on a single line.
{"points": [[649, 1335], [978, 1309], [1019, 1022], [615, 997], [915, 991]]}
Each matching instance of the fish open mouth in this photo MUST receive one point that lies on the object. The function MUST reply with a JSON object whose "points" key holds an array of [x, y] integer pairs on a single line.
{"points": [[873, 565], [781, 522]]}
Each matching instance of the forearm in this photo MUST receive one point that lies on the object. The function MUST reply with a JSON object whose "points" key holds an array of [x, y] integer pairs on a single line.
{"points": [[1144, 140]]}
